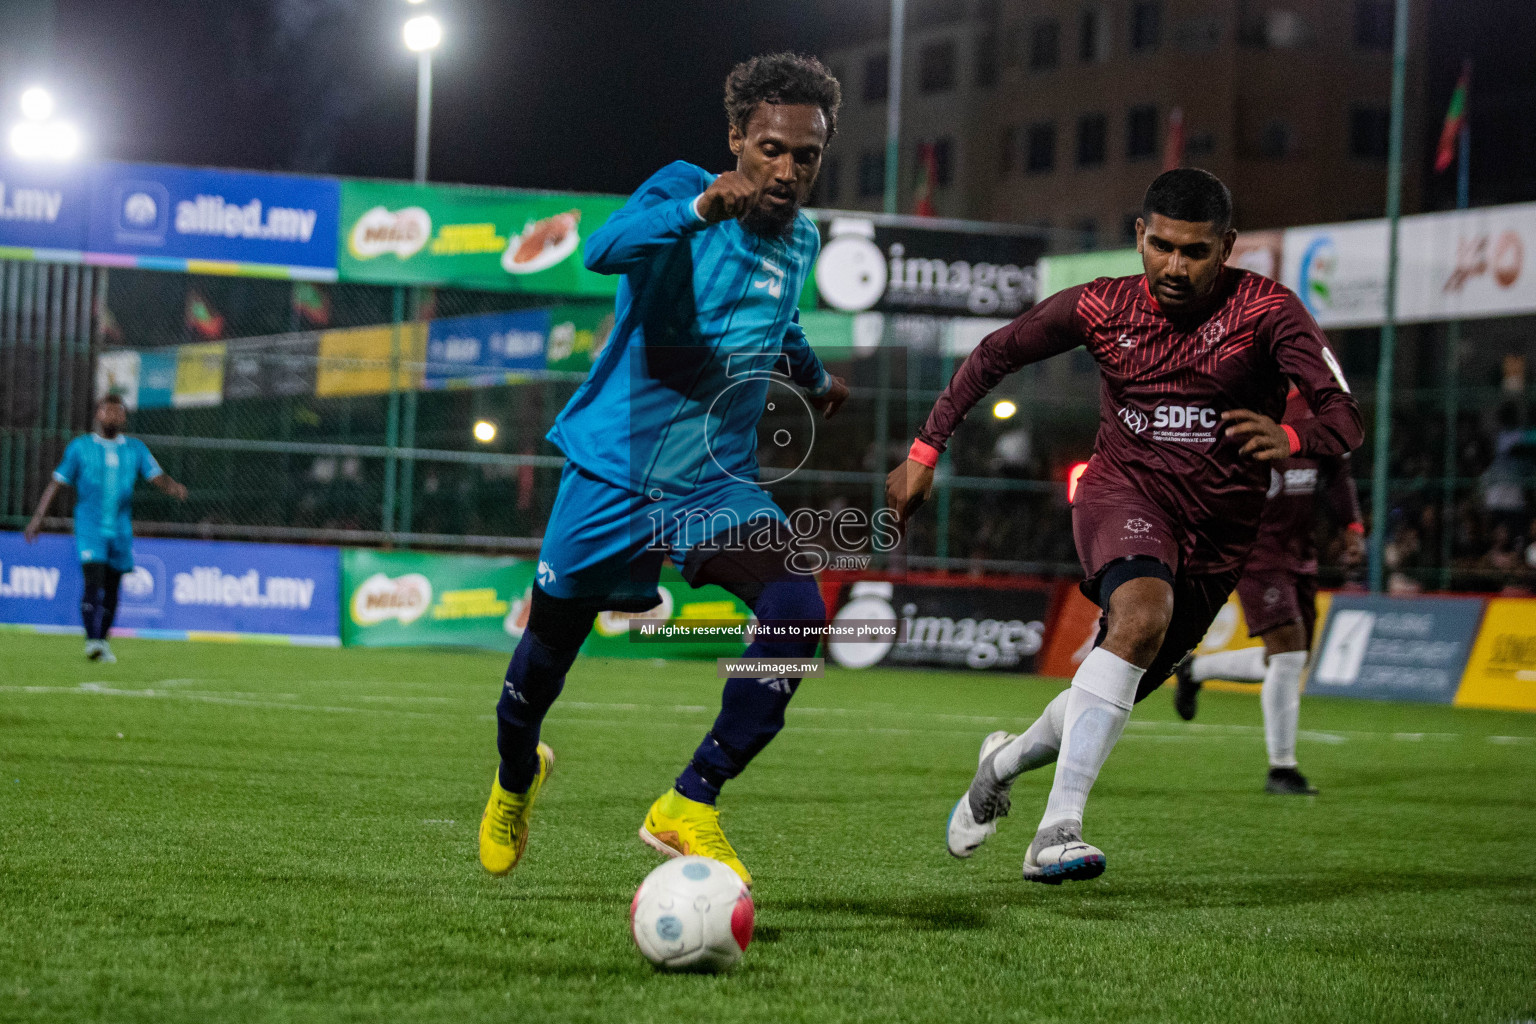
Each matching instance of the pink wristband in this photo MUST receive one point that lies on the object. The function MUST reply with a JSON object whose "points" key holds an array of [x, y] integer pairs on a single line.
{"points": [[1290, 432], [925, 453]]}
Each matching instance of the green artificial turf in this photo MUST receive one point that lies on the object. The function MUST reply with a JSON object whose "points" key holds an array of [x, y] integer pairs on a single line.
{"points": [[245, 833]]}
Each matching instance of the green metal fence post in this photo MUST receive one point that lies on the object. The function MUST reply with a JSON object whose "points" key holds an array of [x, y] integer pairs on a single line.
{"points": [[407, 502], [1380, 463], [1453, 379], [392, 417]]}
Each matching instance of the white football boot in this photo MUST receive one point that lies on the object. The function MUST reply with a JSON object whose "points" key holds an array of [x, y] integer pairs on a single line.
{"points": [[975, 815], [1059, 854], [106, 657]]}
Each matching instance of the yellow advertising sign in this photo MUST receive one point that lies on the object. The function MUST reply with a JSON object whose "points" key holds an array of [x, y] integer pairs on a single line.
{"points": [[1502, 670], [357, 361], [199, 375], [1229, 632]]}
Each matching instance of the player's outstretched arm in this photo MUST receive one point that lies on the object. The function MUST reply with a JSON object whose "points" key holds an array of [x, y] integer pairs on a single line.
{"points": [[1049, 328], [35, 526], [659, 213], [832, 399], [165, 485], [1301, 350], [907, 487]]}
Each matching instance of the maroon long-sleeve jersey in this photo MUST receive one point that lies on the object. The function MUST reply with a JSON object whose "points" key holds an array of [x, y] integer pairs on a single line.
{"points": [[1286, 541], [1166, 383]]}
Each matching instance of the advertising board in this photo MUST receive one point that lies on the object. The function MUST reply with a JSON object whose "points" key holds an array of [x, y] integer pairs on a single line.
{"points": [[182, 589], [492, 239], [210, 222], [1385, 648]]}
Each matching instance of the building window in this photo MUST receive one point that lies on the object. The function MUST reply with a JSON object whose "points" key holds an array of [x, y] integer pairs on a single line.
{"points": [[1368, 131], [1092, 36], [1373, 24], [1092, 130], [1128, 228], [1013, 44], [1200, 34], [1010, 143], [1275, 142], [1199, 144], [829, 180], [1146, 25], [877, 77], [1141, 132], [943, 164], [987, 58], [871, 173], [936, 66], [1045, 45], [1041, 152], [1087, 233]]}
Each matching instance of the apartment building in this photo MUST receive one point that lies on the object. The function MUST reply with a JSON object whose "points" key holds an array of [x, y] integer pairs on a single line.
{"points": [[1057, 113]]}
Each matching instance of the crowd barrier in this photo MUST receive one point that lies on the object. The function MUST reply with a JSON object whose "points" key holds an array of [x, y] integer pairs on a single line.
{"points": [[1470, 651]]}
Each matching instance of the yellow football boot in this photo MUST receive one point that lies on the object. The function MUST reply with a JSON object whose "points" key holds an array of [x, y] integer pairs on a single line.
{"points": [[678, 827], [504, 826]]}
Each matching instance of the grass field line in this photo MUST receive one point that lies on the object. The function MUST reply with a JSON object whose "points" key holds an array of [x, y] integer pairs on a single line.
{"points": [[1155, 731]]}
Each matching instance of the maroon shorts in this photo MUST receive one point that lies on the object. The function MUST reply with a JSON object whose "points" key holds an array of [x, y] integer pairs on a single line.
{"points": [[1274, 597], [1110, 531]]}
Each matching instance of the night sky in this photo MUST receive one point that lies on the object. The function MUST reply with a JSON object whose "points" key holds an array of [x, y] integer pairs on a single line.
{"points": [[566, 94], [534, 93]]}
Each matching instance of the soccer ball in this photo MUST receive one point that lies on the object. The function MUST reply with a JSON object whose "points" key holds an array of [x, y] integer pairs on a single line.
{"points": [[692, 913]]}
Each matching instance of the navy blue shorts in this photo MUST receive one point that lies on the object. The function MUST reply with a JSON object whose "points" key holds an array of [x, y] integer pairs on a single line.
{"points": [[607, 543]]}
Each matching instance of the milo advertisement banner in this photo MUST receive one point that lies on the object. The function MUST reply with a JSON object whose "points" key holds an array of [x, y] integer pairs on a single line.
{"points": [[396, 233], [419, 599], [410, 599]]}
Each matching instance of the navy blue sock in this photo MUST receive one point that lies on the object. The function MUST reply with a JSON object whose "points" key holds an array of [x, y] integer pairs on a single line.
{"points": [[752, 710], [534, 679], [91, 599]]}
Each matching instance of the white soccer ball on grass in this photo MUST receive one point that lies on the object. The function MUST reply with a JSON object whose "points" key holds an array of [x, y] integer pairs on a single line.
{"points": [[692, 914]]}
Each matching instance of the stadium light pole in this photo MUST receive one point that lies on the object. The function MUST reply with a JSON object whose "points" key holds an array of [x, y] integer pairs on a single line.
{"points": [[423, 34], [1383, 441], [893, 106]]}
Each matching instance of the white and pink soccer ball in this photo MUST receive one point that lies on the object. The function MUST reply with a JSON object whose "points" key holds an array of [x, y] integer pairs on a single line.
{"points": [[692, 913]]}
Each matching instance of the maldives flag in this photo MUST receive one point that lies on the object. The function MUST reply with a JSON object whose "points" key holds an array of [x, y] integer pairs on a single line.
{"points": [[927, 180], [1455, 120], [203, 318]]}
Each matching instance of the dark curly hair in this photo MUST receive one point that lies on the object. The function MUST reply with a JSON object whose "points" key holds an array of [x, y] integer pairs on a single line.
{"points": [[781, 78]]}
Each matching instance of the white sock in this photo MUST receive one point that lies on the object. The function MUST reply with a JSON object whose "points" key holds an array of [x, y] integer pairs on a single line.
{"points": [[1281, 697], [1036, 746], [1244, 666], [1098, 706]]}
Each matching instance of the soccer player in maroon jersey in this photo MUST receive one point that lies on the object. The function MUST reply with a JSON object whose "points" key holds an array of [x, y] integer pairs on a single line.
{"points": [[1278, 592], [1195, 359]]}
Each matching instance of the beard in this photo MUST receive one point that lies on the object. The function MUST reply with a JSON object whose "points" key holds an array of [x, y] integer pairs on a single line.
{"points": [[770, 222]]}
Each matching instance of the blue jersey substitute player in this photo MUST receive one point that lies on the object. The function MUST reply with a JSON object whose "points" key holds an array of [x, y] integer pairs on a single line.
{"points": [[661, 443], [103, 468]]}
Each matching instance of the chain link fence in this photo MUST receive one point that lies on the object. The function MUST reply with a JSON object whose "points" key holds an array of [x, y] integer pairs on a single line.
{"points": [[277, 453]]}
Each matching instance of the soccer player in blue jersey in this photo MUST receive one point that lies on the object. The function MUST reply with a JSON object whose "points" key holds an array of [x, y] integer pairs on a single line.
{"points": [[103, 467], [661, 443]]}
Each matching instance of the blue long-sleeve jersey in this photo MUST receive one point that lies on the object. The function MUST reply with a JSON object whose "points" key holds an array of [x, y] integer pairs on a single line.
{"points": [[704, 314]]}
